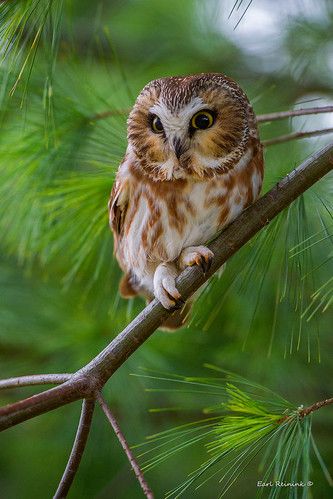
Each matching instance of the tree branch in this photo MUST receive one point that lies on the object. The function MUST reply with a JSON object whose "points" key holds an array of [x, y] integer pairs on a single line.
{"points": [[314, 407], [79, 445], [262, 118], [303, 412], [85, 382], [121, 437], [295, 136], [35, 379], [108, 114]]}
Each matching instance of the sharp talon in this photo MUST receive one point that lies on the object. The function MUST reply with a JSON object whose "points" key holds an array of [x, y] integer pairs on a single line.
{"points": [[198, 260], [209, 264], [205, 265], [200, 256], [171, 298], [179, 304]]}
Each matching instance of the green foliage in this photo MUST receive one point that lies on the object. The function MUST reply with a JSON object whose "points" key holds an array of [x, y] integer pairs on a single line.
{"points": [[248, 421], [281, 262], [28, 27]]}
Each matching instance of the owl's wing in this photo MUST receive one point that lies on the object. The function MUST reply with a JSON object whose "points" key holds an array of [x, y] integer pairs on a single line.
{"points": [[118, 205]]}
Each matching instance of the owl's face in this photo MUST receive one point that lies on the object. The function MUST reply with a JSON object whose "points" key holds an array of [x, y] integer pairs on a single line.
{"points": [[194, 126]]}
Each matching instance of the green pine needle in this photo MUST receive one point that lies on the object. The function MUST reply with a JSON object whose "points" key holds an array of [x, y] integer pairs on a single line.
{"points": [[250, 422]]}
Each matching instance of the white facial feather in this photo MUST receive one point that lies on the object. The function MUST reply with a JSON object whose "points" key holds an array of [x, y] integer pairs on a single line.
{"points": [[177, 122], [176, 125], [213, 163]]}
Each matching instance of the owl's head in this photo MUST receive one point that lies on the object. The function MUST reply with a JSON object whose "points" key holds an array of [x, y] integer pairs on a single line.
{"points": [[193, 126]]}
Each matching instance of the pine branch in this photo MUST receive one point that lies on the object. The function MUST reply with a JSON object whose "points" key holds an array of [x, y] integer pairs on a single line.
{"points": [[121, 437], [314, 407], [262, 118], [35, 379], [295, 136], [85, 382], [244, 422], [306, 411], [108, 114], [79, 445]]}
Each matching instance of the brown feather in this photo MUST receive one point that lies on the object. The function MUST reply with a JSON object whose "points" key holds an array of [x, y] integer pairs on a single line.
{"points": [[161, 205]]}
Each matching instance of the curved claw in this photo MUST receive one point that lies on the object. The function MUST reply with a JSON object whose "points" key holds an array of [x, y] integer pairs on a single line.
{"points": [[197, 255], [206, 264], [165, 287], [178, 305]]}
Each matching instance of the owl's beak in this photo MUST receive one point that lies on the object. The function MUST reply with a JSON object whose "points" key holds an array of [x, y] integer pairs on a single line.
{"points": [[178, 147]]}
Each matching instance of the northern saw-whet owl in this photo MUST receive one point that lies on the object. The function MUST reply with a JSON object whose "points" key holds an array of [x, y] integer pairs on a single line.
{"points": [[193, 163]]}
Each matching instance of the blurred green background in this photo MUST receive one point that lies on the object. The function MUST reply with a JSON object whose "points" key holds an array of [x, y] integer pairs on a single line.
{"points": [[268, 317]]}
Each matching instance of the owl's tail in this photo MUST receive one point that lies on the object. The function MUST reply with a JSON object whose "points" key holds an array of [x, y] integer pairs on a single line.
{"points": [[178, 318]]}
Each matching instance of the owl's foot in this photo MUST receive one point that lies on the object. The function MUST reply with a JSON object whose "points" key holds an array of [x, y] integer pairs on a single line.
{"points": [[196, 255], [165, 286]]}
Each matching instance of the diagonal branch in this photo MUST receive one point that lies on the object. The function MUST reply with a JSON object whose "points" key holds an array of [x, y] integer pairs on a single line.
{"points": [[121, 437], [79, 445], [85, 382]]}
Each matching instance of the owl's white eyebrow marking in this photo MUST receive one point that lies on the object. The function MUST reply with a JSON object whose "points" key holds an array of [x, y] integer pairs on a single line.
{"points": [[174, 119]]}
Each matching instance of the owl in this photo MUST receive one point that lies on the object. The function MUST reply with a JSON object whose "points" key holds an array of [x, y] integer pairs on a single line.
{"points": [[193, 163]]}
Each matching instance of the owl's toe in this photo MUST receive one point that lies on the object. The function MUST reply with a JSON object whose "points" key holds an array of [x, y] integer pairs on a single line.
{"points": [[170, 300], [165, 287], [197, 255], [168, 294]]}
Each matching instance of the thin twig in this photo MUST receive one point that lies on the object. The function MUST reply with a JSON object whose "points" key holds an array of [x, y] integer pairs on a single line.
{"points": [[314, 407], [76, 388], [262, 118], [79, 445], [295, 136], [35, 379], [108, 114], [303, 412], [92, 377], [121, 437]]}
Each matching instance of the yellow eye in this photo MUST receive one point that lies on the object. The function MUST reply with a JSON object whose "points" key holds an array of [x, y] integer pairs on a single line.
{"points": [[156, 124], [202, 120]]}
